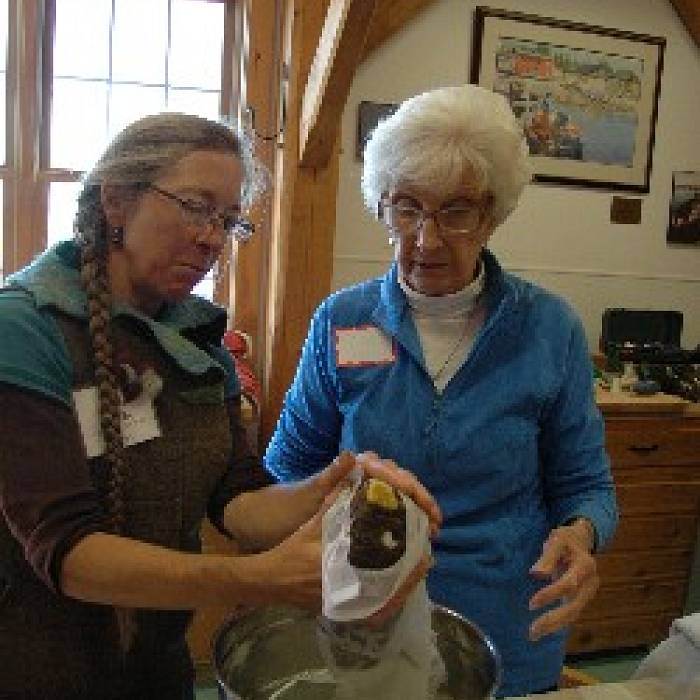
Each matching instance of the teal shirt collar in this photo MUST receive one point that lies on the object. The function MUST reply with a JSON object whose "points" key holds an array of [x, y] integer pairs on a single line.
{"points": [[53, 279]]}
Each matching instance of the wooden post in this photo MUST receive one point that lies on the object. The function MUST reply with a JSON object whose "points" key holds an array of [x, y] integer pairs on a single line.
{"points": [[301, 255], [330, 36], [250, 261]]}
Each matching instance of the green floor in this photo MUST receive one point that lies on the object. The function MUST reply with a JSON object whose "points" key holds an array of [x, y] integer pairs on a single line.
{"points": [[206, 687], [206, 693], [607, 668]]}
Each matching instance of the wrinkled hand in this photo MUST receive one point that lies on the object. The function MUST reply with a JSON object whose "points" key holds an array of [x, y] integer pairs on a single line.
{"points": [[567, 561], [337, 475]]}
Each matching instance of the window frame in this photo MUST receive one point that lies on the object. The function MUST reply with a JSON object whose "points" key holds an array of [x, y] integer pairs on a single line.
{"points": [[26, 175]]}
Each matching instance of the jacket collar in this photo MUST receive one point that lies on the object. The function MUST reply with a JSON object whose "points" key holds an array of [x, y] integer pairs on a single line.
{"points": [[393, 315], [392, 312], [53, 280]]}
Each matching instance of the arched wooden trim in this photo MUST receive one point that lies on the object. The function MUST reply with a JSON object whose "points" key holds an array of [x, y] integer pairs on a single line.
{"points": [[689, 12], [389, 18]]}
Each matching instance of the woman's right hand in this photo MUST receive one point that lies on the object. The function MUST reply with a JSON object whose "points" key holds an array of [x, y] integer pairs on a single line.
{"points": [[290, 573]]}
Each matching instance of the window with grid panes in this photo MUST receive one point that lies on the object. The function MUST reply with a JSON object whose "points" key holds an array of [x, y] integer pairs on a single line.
{"points": [[109, 62]]}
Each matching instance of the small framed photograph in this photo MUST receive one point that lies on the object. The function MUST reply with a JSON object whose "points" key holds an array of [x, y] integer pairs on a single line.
{"points": [[684, 214], [369, 114], [586, 96]]}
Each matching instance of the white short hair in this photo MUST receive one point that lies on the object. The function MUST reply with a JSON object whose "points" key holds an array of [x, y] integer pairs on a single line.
{"points": [[441, 139]]}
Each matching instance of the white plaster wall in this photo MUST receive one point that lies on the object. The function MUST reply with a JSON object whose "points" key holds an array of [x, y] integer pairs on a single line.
{"points": [[560, 237]]}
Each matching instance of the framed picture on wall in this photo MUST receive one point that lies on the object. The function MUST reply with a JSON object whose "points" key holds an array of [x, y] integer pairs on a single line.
{"points": [[369, 115], [684, 210], [586, 96]]}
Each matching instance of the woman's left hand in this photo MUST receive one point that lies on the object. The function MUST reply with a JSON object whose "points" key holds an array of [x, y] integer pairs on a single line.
{"points": [[567, 561]]}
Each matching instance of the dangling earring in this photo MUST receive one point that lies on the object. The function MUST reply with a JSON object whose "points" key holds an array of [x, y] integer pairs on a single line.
{"points": [[117, 236]]}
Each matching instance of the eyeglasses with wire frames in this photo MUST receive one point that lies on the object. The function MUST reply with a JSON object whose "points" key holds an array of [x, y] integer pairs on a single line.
{"points": [[456, 221], [200, 214]]}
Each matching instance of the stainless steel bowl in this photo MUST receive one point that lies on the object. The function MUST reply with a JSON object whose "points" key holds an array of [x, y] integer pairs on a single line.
{"points": [[272, 654]]}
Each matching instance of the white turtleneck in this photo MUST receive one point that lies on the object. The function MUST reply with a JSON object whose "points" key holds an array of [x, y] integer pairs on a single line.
{"points": [[447, 326]]}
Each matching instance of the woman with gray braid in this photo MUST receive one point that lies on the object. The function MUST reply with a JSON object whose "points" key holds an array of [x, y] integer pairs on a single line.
{"points": [[121, 431]]}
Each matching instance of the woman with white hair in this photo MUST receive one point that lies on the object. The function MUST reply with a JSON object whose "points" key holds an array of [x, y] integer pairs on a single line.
{"points": [[477, 381]]}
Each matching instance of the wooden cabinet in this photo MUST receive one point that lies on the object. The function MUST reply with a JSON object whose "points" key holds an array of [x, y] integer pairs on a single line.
{"points": [[654, 447]]}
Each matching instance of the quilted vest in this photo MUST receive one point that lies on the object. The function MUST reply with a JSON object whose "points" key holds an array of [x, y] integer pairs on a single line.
{"points": [[69, 649]]}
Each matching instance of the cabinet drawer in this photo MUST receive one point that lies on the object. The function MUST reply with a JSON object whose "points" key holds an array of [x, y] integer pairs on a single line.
{"points": [[636, 442], [612, 634], [655, 473], [653, 532], [628, 601], [673, 498], [616, 567]]}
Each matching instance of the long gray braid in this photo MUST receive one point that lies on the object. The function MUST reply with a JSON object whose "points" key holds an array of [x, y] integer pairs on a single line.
{"points": [[135, 158]]}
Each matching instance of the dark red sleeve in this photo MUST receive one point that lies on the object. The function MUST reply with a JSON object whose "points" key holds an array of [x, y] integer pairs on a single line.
{"points": [[46, 494]]}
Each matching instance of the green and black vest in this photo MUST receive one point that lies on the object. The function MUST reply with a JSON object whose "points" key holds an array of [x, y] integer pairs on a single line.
{"points": [[62, 649]]}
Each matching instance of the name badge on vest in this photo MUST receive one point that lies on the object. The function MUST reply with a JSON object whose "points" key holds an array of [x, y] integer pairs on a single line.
{"points": [[363, 346], [138, 420]]}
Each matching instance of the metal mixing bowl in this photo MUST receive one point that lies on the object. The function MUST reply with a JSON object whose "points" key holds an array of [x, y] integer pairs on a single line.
{"points": [[273, 654]]}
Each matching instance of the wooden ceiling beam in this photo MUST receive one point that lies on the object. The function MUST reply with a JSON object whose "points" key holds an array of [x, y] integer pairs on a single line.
{"points": [[689, 12], [339, 52]]}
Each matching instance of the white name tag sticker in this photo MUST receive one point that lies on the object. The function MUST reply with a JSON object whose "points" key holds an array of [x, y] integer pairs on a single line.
{"points": [[363, 346], [138, 421]]}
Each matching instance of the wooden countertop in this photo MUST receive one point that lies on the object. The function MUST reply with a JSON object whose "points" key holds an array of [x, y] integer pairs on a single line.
{"points": [[648, 689], [627, 402]]}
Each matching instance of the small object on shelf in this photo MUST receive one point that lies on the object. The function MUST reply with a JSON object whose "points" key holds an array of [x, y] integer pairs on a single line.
{"points": [[645, 387], [615, 383]]}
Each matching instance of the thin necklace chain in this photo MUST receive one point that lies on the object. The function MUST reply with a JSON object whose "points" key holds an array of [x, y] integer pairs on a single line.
{"points": [[460, 340]]}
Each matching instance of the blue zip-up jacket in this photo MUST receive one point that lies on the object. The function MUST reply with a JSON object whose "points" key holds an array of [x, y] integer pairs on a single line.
{"points": [[513, 447]]}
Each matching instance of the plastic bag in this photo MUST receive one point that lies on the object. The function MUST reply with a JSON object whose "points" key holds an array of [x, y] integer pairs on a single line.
{"points": [[399, 660]]}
